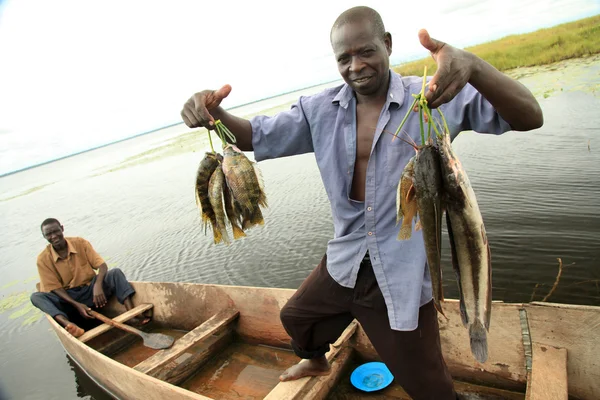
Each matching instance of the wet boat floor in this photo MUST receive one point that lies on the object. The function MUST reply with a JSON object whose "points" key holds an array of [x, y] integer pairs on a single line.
{"points": [[136, 352], [250, 371], [241, 371]]}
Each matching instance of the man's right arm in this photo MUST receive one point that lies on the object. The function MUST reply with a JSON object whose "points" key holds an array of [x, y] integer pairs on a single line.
{"points": [[81, 308], [203, 108]]}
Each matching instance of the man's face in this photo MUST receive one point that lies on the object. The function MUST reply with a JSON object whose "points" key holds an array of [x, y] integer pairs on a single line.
{"points": [[53, 233], [362, 56]]}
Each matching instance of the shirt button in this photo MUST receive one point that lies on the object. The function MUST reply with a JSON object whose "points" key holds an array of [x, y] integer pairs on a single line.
{"points": [[370, 233], [369, 208]]}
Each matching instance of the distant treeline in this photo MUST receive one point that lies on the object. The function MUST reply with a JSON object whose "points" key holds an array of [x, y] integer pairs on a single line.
{"points": [[574, 39]]}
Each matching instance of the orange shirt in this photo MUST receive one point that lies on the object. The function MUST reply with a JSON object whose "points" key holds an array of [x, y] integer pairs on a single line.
{"points": [[77, 269]]}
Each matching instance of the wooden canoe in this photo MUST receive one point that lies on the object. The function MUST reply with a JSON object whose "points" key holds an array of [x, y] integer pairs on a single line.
{"points": [[230, 345]]}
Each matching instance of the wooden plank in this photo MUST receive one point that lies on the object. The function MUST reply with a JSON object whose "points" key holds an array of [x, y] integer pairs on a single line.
{"points": [[182, 367], [126, 316], [295, 389], [574, 328], [323, 384], [549, 374], [217, 323]]}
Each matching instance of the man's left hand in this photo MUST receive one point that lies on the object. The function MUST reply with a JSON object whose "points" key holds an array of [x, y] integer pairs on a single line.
{"points": [[99, 298], [454, 68]]}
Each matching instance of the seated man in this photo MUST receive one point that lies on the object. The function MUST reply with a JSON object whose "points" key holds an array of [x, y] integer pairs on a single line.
{"points": [[68, 280]]}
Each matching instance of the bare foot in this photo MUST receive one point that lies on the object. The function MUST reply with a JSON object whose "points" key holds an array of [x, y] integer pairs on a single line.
{"points": [[74, 329], [313, 367], [137, 321]]}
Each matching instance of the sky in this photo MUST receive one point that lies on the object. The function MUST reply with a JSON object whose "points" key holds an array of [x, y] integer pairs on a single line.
{"points": [[78, 74]]}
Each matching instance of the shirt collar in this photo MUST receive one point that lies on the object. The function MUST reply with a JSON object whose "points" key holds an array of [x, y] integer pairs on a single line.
{"points": [[395, 92], [70, 249]]}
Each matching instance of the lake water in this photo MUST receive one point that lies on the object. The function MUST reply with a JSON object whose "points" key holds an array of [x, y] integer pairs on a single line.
{"points": [[539, 193]]}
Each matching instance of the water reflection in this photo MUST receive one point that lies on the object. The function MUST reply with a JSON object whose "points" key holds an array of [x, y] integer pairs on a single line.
{"points": [[86, 387]]}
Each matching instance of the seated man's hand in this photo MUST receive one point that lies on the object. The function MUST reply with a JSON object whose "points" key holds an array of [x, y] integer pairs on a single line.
{"points": [[99, 298], [83, 310]]}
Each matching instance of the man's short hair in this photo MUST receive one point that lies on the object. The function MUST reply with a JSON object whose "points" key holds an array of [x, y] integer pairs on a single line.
{"points": [[48, 221], [360, 13]]}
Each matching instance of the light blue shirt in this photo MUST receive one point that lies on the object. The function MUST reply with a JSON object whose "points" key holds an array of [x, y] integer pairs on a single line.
{"points": [[325, 124]]}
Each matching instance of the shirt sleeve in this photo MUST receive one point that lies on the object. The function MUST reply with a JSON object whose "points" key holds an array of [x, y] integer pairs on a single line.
{"points": [[93, 257], [285, 134], [469, 110], [49, 279]]}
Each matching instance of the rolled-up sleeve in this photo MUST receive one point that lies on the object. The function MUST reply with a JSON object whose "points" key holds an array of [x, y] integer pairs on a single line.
{"points": [[469, 110], [284, 134], [93, 257]]}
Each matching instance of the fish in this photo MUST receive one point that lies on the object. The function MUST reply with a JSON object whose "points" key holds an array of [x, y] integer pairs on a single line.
{"points": [[427, 180], [406, 201], [205, 170], [215, 195], [234, 213], [245, 184], [471, 256]]}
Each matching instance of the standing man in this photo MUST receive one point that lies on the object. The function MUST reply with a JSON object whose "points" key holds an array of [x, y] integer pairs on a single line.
{"points": [[68, 279], [367, 273]]}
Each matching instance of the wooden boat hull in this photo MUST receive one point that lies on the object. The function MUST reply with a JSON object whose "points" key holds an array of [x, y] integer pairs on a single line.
{"points": [[527, 344]]}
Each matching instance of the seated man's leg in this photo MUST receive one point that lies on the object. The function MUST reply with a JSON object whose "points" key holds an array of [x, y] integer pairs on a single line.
{"points": [[54, 306], [314, 317], [116, 283]]}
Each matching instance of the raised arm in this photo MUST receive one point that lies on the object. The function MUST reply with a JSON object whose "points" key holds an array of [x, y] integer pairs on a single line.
{"points": [[456, 67], [203, 108]]}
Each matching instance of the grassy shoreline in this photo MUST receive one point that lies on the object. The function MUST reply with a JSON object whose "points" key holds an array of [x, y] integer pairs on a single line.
{"points": [[576, 39]]}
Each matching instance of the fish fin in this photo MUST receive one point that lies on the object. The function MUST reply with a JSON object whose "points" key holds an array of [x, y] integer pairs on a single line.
{"points": [[465, 193], [454, 256], [478, 338], [410, 195], [262, 199], [488, 310], [438, 307], [438, 230], [399, 211], [418, 226], [405, 231]]}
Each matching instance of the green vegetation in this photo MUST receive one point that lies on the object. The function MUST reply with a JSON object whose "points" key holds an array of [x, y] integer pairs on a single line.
{"points": [[545, 46], [26, 192]]}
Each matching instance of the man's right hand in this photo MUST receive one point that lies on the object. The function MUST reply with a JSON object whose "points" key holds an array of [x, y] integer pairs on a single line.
{"points": [[196, 111], [83, 310]]}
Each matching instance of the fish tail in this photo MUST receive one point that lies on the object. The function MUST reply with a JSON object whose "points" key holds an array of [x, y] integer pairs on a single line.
{"points": [[224, 234], [478, 336], [405, 232], [257, 217], [438, 307], [217, 237], [237, 232]]}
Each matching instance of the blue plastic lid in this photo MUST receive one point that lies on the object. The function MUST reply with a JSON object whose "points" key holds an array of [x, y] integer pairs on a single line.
{"points": [[371, 376]]}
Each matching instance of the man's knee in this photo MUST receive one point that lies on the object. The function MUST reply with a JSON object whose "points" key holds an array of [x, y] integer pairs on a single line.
{"points": [[115, 273], [36, 298], [288, 316]]}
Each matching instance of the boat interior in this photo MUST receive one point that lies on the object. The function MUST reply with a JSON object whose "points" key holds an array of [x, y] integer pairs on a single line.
{"points": [[229, 344]]}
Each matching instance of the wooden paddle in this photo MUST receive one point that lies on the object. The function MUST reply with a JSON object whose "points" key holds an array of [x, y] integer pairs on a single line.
{"points": [[153, 340]]}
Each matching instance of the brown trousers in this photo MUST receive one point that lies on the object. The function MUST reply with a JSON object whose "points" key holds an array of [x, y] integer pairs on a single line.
{"points": [[321, 309]]}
